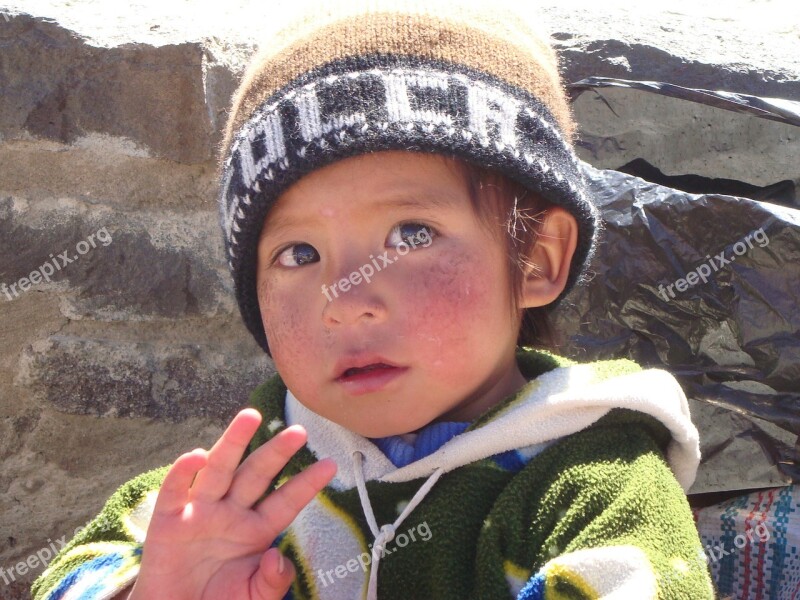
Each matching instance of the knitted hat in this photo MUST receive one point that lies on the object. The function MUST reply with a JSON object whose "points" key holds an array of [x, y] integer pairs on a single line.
{"points": [[360, 76]]}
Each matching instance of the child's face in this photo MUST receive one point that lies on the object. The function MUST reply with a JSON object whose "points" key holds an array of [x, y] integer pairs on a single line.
{"points": [[436, 312]]}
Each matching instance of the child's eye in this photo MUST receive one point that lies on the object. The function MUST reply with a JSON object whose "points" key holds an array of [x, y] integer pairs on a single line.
{"points": [[297, 255], [411, 234]]}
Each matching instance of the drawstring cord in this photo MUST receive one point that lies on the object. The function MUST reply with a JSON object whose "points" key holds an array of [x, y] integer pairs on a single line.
{"points": [[385, 534]]}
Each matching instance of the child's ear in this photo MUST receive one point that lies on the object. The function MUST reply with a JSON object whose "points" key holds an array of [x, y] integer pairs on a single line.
{"points": [[552, 255]]}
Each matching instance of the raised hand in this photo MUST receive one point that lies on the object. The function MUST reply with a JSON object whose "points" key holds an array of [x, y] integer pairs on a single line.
{"points": [[209, 536]]}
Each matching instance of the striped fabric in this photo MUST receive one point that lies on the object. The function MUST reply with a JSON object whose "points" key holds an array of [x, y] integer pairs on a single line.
{"points": [[103, 568], [751, 544]]}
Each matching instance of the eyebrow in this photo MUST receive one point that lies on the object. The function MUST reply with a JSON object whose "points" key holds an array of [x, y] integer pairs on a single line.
{"points": [[425, 200]]}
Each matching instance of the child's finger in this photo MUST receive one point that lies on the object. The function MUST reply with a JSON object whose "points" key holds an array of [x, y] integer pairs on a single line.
{"points": [[213, 481], [274, 576], [284, 504], [174, 492], [260, 468]]}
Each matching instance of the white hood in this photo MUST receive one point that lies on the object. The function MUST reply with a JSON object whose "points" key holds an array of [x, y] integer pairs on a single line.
{"points": [[557, 403]]}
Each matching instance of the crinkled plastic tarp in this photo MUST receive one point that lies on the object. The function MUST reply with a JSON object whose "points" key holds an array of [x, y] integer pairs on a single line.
{"points": [[733, 340], [775, 109]]}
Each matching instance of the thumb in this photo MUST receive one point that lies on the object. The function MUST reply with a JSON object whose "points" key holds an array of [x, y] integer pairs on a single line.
{"points": [[274, 576]]}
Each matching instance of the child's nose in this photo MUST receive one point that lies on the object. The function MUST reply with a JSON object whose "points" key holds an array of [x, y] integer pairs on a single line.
{"points": [[353, 298]]}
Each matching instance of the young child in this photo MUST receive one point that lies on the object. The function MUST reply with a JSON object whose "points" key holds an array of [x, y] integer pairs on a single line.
{"points": [[402, 208]]}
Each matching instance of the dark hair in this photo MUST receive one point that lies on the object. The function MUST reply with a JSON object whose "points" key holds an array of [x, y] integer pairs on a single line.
{"points": [[513, 214]]}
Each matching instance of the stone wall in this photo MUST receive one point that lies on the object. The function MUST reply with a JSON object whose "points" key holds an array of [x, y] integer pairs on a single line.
{"points": [[133, 351]]}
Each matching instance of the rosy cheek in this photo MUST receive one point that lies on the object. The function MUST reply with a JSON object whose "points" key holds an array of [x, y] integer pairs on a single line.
{"points": [[285, 324], [446, 299]]}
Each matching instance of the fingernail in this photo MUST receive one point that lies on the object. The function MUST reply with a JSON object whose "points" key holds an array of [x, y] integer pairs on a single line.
{"points": [[281, 563]]}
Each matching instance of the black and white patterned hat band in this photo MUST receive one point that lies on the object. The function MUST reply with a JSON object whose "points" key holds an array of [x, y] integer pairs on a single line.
{"points": [[354, 106]]}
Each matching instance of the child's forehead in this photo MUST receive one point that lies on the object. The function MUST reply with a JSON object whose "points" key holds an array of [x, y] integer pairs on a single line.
{"points": [[389, 179]]}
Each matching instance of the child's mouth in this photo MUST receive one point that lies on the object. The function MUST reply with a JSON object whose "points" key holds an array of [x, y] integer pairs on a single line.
{"points": [[369, 378], [372, 367]]}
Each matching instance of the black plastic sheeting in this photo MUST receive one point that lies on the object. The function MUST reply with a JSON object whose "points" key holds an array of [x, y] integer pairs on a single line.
{"points": [[706, 286], [774, 109]]}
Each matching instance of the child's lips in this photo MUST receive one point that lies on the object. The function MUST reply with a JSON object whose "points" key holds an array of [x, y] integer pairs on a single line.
{"points": [[369, 378], [366, 368]]}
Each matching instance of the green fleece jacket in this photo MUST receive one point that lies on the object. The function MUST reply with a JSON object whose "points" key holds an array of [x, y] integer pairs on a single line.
{"points": [[570, 488]]}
